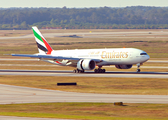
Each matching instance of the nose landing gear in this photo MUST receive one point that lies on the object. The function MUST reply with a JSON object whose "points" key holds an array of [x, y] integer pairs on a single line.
{"points": [[138, 70]]}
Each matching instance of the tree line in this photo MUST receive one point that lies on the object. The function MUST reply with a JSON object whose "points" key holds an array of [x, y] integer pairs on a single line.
{"points": [[135, 17]]}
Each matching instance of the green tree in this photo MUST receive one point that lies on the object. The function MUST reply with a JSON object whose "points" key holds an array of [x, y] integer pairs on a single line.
{"points": [[23, 24]]}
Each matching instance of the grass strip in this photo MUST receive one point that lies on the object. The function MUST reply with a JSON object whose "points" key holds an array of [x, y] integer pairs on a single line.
{"points": [[139, 86], [87, 111]]}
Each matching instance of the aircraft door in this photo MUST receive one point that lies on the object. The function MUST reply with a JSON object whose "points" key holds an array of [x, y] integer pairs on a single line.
{"points": [[131, 55]]}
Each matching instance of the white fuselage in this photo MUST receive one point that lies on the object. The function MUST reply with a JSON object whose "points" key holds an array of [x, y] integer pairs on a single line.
{"points": [[116, 56], [87, 59]]}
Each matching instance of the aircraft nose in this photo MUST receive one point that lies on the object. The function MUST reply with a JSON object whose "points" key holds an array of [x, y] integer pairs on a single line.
{"points": [[147, 57], [144, 58]]}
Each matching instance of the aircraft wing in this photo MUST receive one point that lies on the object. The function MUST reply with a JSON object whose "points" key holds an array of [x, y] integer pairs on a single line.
{"points": [[53, 57]]}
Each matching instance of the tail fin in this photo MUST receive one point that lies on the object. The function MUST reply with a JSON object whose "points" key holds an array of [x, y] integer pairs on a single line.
{"points": [[42, 44]]}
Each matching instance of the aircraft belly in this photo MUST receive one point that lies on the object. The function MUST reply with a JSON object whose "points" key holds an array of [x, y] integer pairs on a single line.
{"points": [[117, 62]]}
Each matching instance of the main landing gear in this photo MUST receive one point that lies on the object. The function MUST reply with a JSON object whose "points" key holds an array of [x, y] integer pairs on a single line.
{"points": [[138, 70], [78, 71], [99, 70]]}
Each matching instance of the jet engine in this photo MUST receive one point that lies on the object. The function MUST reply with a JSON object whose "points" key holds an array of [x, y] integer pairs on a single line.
{"points": [[86, 64], [123, 66]]}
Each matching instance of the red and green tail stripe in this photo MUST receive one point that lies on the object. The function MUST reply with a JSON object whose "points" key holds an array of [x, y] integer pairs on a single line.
{"points": [[47, 48]]}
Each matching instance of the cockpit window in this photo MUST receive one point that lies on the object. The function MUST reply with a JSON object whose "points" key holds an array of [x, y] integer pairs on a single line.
{"points": [[143, 54]]}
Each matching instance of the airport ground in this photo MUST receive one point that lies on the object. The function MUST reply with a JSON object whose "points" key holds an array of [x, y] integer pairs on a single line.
{"points": [[154, 42], [88, 111]]}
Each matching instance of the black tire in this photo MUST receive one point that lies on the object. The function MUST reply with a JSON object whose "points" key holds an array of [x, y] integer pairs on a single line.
{"points": [[74, 71], [96, 70], [138, 70], [104, 70]]}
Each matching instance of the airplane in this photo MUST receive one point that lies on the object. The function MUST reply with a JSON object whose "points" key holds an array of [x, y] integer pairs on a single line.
{"points": [[87, 59]]}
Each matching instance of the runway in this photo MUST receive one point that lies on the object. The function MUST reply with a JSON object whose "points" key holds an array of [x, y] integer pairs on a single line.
{"points": [[86, 74], [15, 94]]}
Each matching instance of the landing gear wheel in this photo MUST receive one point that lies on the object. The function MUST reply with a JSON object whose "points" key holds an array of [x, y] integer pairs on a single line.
{"points": [[96, 70], [78, 71], [138, 70], [99, 70], [74, 71]]}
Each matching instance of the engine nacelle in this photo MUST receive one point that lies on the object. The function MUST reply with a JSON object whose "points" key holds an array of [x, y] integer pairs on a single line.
{"points": [[123, 66], [86, 64]]}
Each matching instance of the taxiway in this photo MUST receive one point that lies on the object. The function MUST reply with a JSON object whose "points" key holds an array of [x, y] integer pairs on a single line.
{"points": [[130, 34], [15, 94]]}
